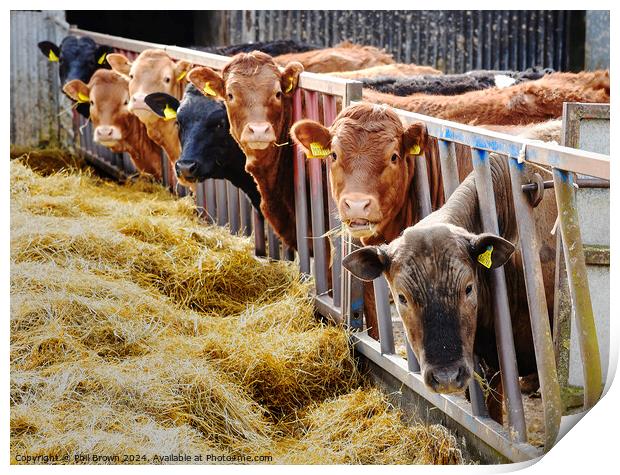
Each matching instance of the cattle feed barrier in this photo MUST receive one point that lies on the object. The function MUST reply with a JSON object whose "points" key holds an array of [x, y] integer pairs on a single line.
{"points": [[320, 98]]}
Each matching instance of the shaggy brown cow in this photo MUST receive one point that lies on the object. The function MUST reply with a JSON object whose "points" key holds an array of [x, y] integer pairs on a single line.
{"points": [[115, 127], [533, 101], [344, 57], [388, 70], [258, 98], [154, 71], [438, 273]]}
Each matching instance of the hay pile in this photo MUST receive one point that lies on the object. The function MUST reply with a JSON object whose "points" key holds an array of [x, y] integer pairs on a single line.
{"points": [[137, 330]]}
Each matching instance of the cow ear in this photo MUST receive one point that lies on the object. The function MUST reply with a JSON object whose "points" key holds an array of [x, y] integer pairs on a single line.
{"points": [[101, 55], [119, 63], [164, 105], [367, 263], [49, 50], [77, 90], [313, 137], [490, 251], [415, 139], [181, 68], [207, 81], [290, 77]]}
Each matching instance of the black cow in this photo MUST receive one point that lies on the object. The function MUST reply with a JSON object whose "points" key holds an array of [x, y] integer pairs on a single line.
{"points": [[208, 149], [272, 48], [78, 58], [452, 84]]}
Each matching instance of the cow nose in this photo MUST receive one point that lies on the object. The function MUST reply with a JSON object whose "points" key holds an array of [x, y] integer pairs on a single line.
{"points": [[447, 379], [259, 128], [185, 169], [104, 131], [357, 206], [138, 100]]}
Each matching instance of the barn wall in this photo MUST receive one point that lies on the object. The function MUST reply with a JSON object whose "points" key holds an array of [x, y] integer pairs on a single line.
{"points": [[36, 118], [452, 41]]}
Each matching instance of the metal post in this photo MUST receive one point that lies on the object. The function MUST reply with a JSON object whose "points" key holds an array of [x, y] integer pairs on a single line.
{"points": [[259, 235], [578, 285], [246, 214], [537, 303], [211, 202], [301, 203], [449, 167], [221, 200], [421, 186], [273, 242], [503, 323], [384, 318], [233, 207], [319, 243], [352, 292]]}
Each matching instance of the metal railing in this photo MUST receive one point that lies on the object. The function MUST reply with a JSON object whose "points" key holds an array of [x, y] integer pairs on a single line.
{"points": [[320, 98]]}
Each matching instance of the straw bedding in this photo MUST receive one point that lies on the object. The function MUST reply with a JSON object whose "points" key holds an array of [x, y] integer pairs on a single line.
{"points": [[135, 329]]}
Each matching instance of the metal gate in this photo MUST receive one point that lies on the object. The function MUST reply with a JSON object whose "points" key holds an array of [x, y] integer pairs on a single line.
{"points": [[323, 97]]}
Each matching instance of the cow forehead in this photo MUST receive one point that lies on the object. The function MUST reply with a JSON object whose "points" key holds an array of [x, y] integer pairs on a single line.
{"points": [[152, 66], [354, 141], [261, 82]]}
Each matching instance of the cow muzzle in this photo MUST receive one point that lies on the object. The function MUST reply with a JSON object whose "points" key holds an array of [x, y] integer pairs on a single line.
{"points": [[360, 214], [449, 378], [186, 170], [258, 135], [107, 135], [139, 108]]}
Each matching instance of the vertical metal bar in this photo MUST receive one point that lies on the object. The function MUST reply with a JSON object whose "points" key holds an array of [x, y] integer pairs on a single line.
{"points": [[412, 361], [288, 254], [199, 199], [329, 115], [476, 396], [246, 214], [537, 303], [503, 323], [211, 202], [301, 204], [578, 285], [221, 199], [233, 207], [352, 291], [317, 206], [259, 235], [421, 186], [274, 243], [384, 318], [165, 178], [449, 167]]}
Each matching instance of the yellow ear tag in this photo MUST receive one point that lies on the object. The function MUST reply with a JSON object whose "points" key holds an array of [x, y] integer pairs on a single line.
{"points": [[169, 113], [318, 151], [82, 97], [52, 57], [207, 90], [290, 86], [182, 75], [415, 150], [485, 257], [102, 58]]}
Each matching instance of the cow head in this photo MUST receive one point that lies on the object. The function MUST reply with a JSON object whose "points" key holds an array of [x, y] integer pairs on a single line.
{"points": [[371, 159], [203, 132], [107, 93], [436, 274], [256, 93], [152, 71]]}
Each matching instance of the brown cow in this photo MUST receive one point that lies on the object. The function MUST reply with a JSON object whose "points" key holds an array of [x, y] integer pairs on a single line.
{"points": [[258, 99], [438, 273], [344, 57], [387, 70], [154, 71], [115, 127], [533, 101]]}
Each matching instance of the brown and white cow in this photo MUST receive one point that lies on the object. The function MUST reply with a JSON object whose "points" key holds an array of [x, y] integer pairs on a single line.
{"points": [[532, 101], [439, 274], [343, 57], [154, 71], [107, 93], [258, 97]]}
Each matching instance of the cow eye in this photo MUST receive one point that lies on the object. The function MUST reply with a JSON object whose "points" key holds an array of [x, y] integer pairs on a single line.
{"points": [[126, 102], [166, 80], [131, 76], [402, 299], [230, 96], [394, 158], [279, 95], [334, 156], [468, 289]]}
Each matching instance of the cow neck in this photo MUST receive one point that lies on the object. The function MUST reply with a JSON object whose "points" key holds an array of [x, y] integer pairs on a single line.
{"points": [[144, 151], [164, 133], [241, 179], [272, 170]]}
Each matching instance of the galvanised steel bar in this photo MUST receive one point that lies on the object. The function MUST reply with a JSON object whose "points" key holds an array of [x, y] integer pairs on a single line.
{"points": [[259, 235], [449, 167], [476, 396], [233, 208], [384, 318], [301, 204], [421, 186], [578, 285], [329, 115], [412, 361], [317, 208], [200, 198], [221, 199], [503, 323], [352, 290], [273, 243], [245, 207], [539, 313], [211, 202], [288, 254], [165, 170]]}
